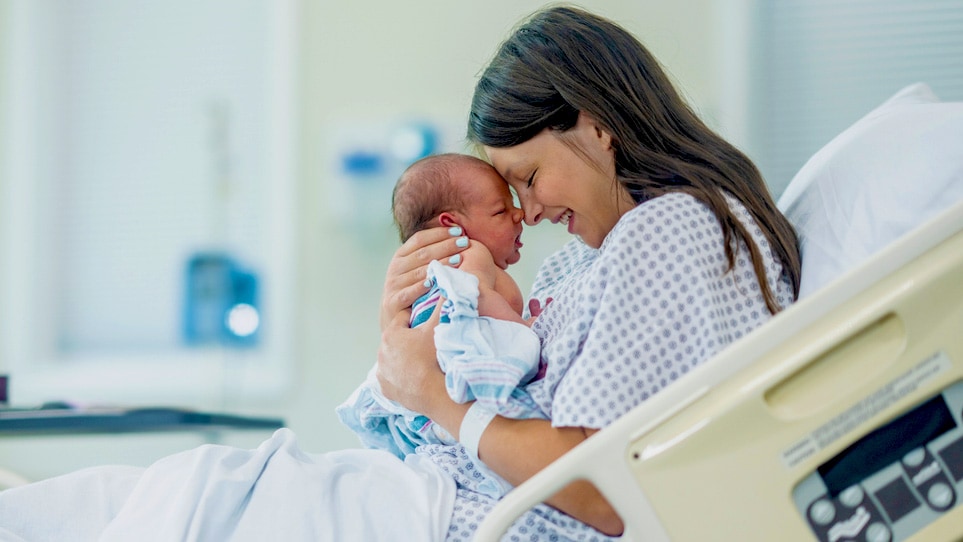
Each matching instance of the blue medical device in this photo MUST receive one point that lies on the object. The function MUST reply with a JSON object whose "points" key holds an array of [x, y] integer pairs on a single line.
{"points": [[221, 304]]}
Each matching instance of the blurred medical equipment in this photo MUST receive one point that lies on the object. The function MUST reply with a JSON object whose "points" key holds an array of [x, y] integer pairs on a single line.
{"points": [[66, 418], [842, 418], [221, 304]]}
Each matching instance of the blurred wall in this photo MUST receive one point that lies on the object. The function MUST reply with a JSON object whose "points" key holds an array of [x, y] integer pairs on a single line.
{"points": [[364, 62]]}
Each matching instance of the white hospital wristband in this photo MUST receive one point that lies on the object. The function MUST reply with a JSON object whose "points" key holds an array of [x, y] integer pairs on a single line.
{"points": [[473, 425]]}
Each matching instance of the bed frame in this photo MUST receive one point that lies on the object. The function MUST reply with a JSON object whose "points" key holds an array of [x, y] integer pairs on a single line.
{"points": [[840, 419]]}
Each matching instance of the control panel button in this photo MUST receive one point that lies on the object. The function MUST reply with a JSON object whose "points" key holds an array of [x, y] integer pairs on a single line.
{"points": [[915, 458], [953, 458], [940, 495], [897, 499], [822, 512], [851, 496], [878, 532]]}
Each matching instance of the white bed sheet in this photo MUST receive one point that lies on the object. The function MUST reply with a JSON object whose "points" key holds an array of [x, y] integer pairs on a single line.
{"points": [[220, 493]]}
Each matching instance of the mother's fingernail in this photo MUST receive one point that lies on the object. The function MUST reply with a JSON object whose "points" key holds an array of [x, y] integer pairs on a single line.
{"points": [[462, 242], [454, 260], [427, 283], [454, 231]]}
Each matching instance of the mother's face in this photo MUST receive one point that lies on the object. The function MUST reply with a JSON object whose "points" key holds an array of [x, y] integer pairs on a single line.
{"points": [[556, 182]]}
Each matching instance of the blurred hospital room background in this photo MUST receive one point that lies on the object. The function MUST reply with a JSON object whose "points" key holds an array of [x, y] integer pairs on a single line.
{"points": [[194, 194]]}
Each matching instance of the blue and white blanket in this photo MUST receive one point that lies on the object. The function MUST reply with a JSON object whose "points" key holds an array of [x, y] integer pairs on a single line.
{"points": [[484, 359]]}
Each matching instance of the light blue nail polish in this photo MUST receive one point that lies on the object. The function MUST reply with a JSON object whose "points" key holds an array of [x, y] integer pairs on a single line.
{"points": [[462, 242], [454, 260], [454, 231], [428, 283]]}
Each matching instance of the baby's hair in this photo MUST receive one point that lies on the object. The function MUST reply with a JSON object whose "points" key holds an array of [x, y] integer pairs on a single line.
{"points": [[427, 188]]}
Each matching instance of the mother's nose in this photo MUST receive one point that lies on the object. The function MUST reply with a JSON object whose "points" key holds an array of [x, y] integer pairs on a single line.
{"points": [[533, 212]]}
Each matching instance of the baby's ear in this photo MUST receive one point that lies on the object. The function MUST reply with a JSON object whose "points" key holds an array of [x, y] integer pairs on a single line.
{"points": [[447, 220]]}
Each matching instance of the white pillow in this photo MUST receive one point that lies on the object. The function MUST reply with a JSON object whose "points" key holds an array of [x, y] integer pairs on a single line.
{"points": [[892, 170]]}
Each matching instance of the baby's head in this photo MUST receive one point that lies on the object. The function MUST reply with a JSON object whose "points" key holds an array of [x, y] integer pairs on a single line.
{"points": [[458, 189]]}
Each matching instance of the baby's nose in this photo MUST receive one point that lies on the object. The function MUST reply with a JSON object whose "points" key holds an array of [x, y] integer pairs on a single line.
{"points": [[518, 215]]}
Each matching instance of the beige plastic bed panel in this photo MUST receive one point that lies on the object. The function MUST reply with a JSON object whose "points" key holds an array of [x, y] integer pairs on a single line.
{"points": [[841, 419]]}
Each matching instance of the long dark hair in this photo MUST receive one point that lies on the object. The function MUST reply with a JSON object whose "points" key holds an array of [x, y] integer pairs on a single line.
{"points": [[563, 61]]}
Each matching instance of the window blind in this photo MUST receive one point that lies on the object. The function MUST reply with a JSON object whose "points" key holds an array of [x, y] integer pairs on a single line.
{"points": [[820, 65]]}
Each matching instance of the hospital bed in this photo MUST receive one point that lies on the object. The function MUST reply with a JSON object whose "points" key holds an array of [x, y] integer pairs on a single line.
{"points": [[841, 418]]}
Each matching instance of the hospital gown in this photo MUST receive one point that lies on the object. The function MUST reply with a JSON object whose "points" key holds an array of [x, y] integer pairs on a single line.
{"points": [[627, 320]]}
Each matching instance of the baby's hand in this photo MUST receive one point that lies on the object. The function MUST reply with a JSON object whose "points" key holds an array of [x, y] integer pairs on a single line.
{"points": [[535, 308]]}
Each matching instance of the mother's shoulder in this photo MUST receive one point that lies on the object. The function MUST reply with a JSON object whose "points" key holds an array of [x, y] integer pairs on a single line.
{"points": [[675, 208], [672, 202]]}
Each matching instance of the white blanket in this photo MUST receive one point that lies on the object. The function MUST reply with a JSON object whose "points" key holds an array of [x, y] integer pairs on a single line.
{"points": [[219, 493]]}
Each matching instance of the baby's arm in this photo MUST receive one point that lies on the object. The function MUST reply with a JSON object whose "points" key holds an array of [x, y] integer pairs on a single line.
{"points": [[494, 284]]}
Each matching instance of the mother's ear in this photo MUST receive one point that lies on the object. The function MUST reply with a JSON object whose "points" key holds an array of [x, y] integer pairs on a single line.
{"points": [[592, 131]]}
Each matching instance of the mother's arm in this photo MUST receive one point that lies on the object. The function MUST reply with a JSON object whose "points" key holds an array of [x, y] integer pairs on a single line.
{"points": [[516, 449]]}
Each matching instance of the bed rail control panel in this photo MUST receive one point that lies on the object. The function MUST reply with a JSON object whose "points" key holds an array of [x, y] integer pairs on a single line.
{"points": [[894, 481]]}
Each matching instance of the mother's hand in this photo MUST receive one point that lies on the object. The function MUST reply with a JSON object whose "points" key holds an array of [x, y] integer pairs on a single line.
{"points": [[407, 361], [408, 368], [404, 280]]}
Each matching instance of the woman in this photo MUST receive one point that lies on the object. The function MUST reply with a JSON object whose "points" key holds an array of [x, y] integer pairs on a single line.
{"points": [[692, 253]]}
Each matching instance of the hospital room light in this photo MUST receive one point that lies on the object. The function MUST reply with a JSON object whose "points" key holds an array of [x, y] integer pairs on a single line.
{"points": [[243, 320], [413, 141]]}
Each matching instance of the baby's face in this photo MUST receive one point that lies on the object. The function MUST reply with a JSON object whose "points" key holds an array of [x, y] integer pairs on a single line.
{"points": [[490, 216]]}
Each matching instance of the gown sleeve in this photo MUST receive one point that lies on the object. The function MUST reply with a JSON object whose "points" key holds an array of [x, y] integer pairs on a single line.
{"points": [[659, 301]]}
